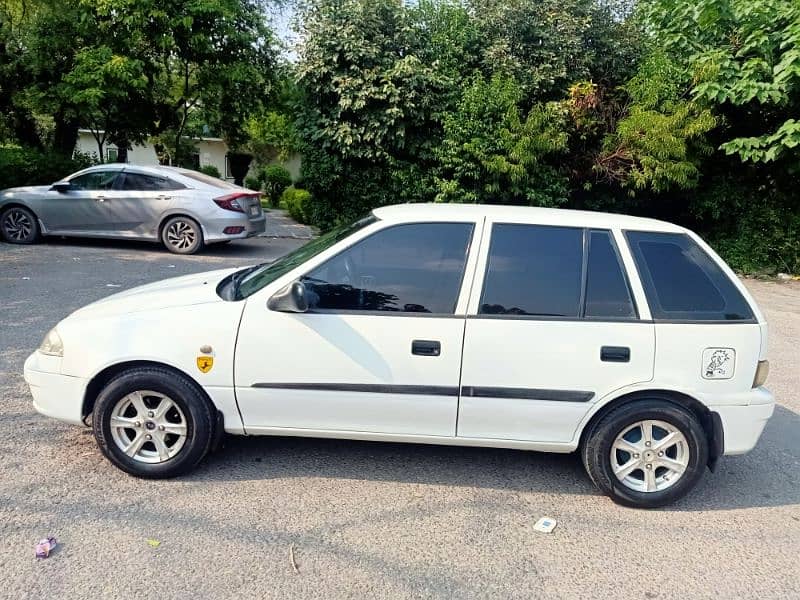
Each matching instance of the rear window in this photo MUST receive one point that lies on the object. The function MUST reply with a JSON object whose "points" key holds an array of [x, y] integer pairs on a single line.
{"points": [[682, 282], [208, 179]]}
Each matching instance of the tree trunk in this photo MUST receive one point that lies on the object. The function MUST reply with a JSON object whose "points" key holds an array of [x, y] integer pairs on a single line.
{"points": [[65, 136], [122, 151], [239, 163]]}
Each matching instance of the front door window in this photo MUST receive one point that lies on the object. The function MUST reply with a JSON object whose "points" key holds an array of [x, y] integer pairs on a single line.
{"points": [[414, 268]]}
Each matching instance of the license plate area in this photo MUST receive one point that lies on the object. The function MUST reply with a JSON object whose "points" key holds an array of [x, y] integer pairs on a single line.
{"points": [[254, 210]]}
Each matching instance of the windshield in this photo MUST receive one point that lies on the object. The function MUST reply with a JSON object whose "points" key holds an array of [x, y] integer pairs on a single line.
{"points": [[266, 274]]}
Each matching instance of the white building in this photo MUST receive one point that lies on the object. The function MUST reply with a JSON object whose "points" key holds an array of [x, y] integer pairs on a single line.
{"points": [[209, 151]]}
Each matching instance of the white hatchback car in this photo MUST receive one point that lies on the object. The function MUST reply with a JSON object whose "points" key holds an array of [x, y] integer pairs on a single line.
{"points": [[626, 339]]}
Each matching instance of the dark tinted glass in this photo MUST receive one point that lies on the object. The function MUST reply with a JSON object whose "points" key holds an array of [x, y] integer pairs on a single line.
{"points": [[607, 291], [147, 183], [407, 268], [96, 180], [682, 282], [534, 270]]}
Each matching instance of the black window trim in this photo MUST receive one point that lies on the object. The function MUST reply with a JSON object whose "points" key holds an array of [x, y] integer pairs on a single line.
{"points": [[750, 321], [586, 231], [399, 313]]}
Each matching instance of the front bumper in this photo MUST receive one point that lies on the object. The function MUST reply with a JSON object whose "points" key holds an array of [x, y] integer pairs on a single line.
{"points": [[742, 425], [54, 395]]}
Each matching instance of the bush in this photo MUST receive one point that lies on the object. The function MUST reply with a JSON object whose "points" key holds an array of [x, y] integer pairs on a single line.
{"points": [[252, 183], [28, 166], [297, 203], [211, 170], [276, 179]]}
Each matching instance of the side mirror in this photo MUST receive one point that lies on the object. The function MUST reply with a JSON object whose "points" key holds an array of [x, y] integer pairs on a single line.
{"points": [[62, 187], [291, 298]]}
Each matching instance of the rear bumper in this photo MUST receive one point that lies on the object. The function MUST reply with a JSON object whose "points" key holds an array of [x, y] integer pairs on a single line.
{"points": [[742, 425], [55, 395], [213, 229]]}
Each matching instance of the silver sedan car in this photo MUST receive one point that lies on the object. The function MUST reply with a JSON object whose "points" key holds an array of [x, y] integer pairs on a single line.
{"points": [[182, 209]]}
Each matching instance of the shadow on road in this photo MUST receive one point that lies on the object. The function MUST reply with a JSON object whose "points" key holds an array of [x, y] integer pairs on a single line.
{"points": [[768, 476]]}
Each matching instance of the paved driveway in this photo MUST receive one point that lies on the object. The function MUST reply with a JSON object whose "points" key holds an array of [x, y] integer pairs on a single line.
{"points": [[363, 519]]}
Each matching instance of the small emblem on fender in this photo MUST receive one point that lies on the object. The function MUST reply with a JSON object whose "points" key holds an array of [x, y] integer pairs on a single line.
{"points": [[718, 363], [204, 363]]}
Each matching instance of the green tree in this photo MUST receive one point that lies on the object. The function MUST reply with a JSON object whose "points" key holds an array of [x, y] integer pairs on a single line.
{"points": [[744, 60], [493, 153]]}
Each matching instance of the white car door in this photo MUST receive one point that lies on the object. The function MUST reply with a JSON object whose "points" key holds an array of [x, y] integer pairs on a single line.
{"points": [[552, 328], [379, 349]]}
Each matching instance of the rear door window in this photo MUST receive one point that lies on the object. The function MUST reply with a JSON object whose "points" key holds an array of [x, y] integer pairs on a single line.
{"points": [[608, 294], [682, 282], [147, 183], [534, 270]]}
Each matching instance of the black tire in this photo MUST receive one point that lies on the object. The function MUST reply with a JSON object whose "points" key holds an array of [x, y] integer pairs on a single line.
{"points": [[597, 445], [196, 408], [18, 225], [182, 235]]}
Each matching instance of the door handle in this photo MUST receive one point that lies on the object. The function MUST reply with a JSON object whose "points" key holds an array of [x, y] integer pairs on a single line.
{"points": [[426, 348], [163, 197], [615, 354]]}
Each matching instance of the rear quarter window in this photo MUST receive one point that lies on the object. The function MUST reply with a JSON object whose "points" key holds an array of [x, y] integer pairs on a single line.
{"points": [[682, 282]]}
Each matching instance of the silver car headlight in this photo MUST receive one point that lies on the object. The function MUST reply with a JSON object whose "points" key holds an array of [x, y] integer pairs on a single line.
{"points": [[52, 344]]}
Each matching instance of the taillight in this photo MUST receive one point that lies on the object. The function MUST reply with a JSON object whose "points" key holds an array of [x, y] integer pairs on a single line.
{"points": [[761, 373], [231, 201]]}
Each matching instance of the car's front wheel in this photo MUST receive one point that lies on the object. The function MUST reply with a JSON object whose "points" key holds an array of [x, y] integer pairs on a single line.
{"points": [[182, 235], [152, 422], [646, 454], [18, 225]]}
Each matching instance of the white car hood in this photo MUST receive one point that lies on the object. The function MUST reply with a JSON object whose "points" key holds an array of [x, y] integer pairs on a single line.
{"points": [[200, 288]]}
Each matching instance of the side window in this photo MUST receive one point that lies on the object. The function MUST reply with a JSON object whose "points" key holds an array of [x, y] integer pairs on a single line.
{"points": [[96, 180], [682, 282], [534, 270], [147, 183], [607, 292], [407, 268]]}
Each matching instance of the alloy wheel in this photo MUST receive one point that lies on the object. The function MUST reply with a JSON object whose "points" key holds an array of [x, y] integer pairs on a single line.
{"points": [[18, 225], [148, 426], [649, 456], [181, 235]]}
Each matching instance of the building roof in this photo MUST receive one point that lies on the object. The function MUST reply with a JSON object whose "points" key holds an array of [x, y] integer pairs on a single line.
{"points": [[521, 214]]}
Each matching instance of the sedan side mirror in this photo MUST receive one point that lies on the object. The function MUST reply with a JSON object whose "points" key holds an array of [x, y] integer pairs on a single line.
{"points": [[291, 298], [62, 187]]}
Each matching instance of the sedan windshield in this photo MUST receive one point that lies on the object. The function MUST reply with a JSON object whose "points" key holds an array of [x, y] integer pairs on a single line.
{"points": [[253, 280]]}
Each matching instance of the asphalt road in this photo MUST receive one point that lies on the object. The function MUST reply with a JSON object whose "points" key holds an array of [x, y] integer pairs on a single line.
{"points": [[363, 519]]}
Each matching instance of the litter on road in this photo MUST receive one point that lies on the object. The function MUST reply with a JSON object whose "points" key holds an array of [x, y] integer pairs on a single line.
{"points": [[545, 525], [45, 547]]}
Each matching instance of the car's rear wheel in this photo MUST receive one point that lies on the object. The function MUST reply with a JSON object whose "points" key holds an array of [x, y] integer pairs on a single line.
{"points": [[646, 454], [182, 235], [154, 423], [18, 225]]}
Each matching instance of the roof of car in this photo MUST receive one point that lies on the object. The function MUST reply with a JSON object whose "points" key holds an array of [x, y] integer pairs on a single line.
{"points": [[520, 214]]}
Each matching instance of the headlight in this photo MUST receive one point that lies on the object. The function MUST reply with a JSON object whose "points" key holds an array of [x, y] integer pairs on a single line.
{"points": [[51, 344]]}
